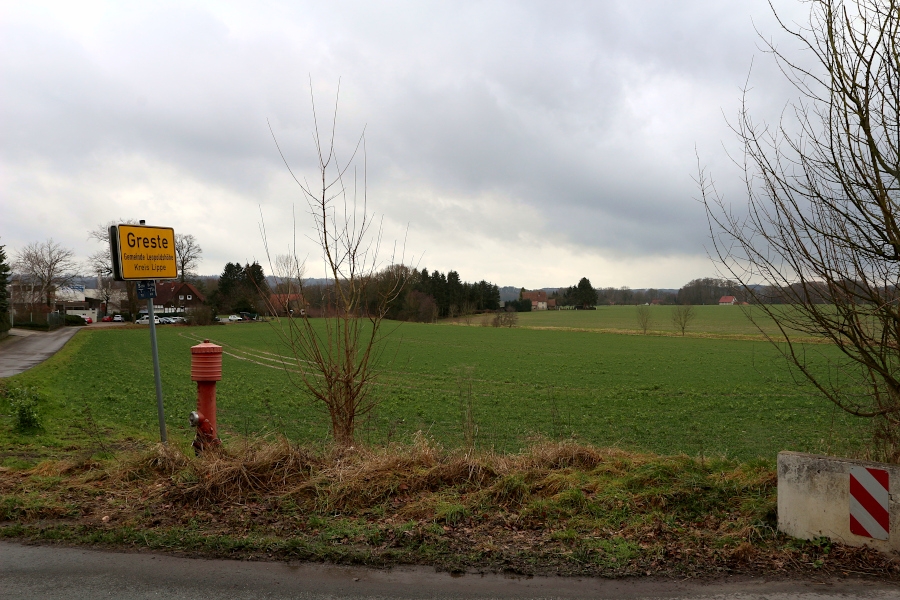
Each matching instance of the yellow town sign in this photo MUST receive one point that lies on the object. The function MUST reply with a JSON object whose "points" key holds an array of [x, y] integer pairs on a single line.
{"points": [[144, 252]]}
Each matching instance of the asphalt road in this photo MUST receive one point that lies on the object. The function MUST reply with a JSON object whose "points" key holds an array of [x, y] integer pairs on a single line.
{"points": [[53, 572], [29, 348]]}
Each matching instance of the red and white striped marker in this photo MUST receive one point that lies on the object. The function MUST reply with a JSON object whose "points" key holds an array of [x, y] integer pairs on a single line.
{"points": [[869, 496]]}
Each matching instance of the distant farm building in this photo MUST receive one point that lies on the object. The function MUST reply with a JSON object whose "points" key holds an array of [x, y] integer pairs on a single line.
{"points": [[174, 296], [727, 301], [538, 299], [285, 305]]}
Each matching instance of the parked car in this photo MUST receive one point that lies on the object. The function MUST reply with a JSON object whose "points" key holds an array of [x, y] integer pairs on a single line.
{"points": [[107, 319], [233, 318], [88, 320], [177, 319], [165, 321], [118, 319], [145, 320]]}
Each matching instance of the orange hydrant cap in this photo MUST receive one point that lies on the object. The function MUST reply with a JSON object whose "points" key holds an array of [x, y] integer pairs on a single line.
{"points": [[206, 362], [206, 348]]}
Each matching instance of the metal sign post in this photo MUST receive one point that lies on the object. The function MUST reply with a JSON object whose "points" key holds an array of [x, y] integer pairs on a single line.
{"points": [[147, 289]]}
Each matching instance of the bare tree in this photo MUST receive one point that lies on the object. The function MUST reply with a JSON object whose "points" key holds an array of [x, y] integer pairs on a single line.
{"points": [[45, 267], [821, 229], [682, 316], [100, 262], [337, 356], [644, 318], [187, 255], [289, 271]]}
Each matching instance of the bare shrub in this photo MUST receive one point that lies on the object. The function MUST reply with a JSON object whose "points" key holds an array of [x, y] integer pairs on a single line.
{"points": [[644, 318], [336, 356], [682, 316]]}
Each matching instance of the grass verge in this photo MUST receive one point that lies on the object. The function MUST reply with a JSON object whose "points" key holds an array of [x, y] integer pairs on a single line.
{"points": [[555, 508]]}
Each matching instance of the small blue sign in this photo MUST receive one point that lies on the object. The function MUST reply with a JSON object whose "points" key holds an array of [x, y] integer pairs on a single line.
{"points": [[146, 289]]}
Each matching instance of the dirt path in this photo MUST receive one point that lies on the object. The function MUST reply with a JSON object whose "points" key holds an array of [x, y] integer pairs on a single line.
{"points": [[31, 348]]}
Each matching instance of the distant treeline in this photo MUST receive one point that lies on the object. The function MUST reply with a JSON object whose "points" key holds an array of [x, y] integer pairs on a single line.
{"points": [[426, 295], [566, 297], [707, 290], [433, 295]]}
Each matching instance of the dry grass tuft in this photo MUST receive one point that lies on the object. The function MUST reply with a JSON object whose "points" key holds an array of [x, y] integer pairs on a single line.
{"points": [[251, 468], [344, 479], [744, 553], [351, 479], [359, 478], [162, 459], [567, 454]]}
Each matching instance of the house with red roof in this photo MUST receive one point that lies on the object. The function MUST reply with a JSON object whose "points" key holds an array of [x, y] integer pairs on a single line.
{"points": [[287, 304], [538, 299], [727, 301], [175, 296]]}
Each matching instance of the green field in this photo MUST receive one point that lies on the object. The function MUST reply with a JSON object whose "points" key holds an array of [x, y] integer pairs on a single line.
{"points": [[666, 394], [723, 321]]}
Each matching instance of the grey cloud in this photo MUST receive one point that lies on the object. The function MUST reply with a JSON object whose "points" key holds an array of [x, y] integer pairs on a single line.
{"points": [[532, 105]]}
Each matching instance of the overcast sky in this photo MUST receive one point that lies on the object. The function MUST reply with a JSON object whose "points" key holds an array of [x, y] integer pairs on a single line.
{"points": [[526, 143]]}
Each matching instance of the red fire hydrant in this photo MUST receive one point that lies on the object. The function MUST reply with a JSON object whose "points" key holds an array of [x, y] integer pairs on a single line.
{"points": [[206, 370]]}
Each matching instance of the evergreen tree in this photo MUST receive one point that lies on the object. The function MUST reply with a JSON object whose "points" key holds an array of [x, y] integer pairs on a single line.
{"points": [[585, 293], [255, 279], [4, 291], [423, 282], [231, 289], [256, 288], [231, 279]]}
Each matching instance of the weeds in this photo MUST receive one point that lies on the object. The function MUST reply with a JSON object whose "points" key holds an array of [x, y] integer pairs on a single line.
{"points": [[450, 513], [24, 403]]}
